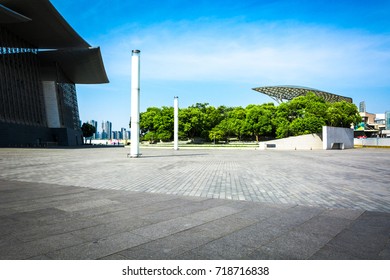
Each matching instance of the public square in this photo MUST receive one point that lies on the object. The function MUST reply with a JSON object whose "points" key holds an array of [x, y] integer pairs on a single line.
{"points": [[97, 203]]}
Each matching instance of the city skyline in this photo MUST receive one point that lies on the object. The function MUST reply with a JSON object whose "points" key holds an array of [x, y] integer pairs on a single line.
{"points": [[104, 130], [217, 51]]}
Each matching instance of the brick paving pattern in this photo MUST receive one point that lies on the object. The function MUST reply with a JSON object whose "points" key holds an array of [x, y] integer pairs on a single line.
{"points": [[194, 204]]}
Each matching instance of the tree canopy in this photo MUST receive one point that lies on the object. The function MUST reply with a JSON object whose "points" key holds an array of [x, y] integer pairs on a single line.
{"points": [[88, 130], [302, 115]]}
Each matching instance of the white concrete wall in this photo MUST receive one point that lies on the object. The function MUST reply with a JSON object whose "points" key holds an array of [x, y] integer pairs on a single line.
{"points": [[337, 137], [303, 142], [332, 138], [51, 104], [373, 142]]}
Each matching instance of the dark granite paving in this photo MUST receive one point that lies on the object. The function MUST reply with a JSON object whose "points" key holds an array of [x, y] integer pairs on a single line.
{"points": [[173, 217]]}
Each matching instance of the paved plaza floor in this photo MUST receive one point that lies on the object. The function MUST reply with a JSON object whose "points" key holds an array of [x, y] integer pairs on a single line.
{"points": [[96, 203]]}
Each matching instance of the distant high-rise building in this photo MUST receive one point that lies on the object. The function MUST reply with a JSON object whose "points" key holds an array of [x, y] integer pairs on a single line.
{"points": [[104, 134], [106, 130], [95, 124], [362, 107], [124, 134], [387, 116]]}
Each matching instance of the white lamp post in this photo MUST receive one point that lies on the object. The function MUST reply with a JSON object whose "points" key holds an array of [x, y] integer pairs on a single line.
{"points": [[135, 90], [176, 123]]}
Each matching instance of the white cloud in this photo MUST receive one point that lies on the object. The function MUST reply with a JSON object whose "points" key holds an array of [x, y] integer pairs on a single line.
{"points": [[266, 54], [219, 63]]}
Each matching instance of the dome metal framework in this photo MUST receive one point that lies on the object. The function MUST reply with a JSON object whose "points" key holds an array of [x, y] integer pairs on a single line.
{"points": [[282, 93]]}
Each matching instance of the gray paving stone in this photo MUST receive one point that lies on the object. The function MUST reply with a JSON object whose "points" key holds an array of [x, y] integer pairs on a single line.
{"points": [[295, 245], [169, 247], [113, 257], [99, 211], [166, 228], [104, 230], [324, 225], [194, 204], [385, 253], [213, 213], [374, 222], [185, 210], [224, 226], [85, 205], [350, 214], [219, 249], [37, 216], [362, 245], [259, 254], [295, 216], [117, 215], [264, 211], [332, 253], [8, 240], [334, 179], [40, 257], [254, 235], [38, 247], [39, 232], [100, 248]]}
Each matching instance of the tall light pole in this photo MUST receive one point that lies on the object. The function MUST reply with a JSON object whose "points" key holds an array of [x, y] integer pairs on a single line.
{"points": [[135, 89], [176, 123]]}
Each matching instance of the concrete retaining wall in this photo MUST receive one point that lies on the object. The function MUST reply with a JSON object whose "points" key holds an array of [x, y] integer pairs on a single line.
{"points": [[303, 142], [332, 138], [337, 138]]}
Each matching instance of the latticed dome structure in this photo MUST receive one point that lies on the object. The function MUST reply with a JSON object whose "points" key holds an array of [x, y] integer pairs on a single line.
{"points": [[281, 93]]}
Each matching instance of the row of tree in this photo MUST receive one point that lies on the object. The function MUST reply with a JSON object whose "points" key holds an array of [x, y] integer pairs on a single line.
{"points": [[302, 115]]}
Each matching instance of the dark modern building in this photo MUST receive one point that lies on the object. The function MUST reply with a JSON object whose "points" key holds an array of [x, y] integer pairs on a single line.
{"points": [[41, 59]]}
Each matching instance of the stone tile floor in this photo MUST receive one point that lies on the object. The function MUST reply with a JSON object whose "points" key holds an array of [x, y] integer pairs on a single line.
{"points": [[194, 204]]}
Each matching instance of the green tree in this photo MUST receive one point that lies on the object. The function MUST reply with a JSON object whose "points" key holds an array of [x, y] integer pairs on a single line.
{"points": [[260, 119], [147, 122], [282, 120], [302, 115], [237, 123], [282, 128], [194, 120], [212, 117], [343, 114], [157, 124], [164, 124], [216, 134], [88, 131], [308, 124], [221, 128], [222, 131], [150, 136]]}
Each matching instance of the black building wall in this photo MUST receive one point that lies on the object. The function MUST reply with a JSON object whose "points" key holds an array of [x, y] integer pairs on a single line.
{"points": [[23, 120], [21, 98], [19, 135]]}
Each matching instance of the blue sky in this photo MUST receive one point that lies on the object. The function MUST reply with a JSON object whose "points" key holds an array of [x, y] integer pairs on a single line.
{"points": [[215, 51]]}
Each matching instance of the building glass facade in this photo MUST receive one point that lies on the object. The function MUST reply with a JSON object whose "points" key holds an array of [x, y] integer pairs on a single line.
{"points": [[21, 98], [39, 67], [23, 118], [68, 105]]}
